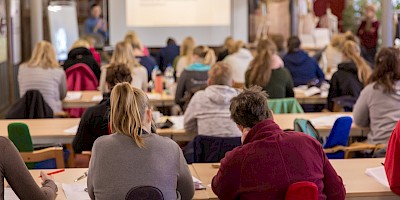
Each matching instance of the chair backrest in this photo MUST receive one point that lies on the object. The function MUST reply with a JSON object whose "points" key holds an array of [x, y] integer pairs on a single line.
{"points": [[303, 190], [19, 134], [208, 149], [339, 135], [305, 126], [48, 158], [285, 105], [80, 77], [144, 193]]}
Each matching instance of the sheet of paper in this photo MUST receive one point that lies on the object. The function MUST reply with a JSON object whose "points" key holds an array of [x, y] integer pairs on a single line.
{"points": [[153, 96], [196, 180], [312, 91], [76, 191], [71, 130], [328, 120], [73, 96], [178, 122], [97, 98], [379, 174], [9, 194]]}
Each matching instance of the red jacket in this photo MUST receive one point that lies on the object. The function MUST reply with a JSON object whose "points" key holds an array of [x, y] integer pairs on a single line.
{"points": [[392, 162], [368, 39], [270, 160]]}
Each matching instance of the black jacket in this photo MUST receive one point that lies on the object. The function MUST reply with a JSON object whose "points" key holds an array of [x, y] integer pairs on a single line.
{"points": [[82, 55], [30, 106], [94, 123], [344, 82]]}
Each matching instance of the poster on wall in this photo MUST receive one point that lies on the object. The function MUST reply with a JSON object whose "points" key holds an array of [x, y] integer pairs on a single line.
{"points": [[3, 32]]}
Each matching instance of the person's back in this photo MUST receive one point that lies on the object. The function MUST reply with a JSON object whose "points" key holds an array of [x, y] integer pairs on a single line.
{"points": [[119, 165], [167, 54], [239, 62], [149, 63], [82, 55]]}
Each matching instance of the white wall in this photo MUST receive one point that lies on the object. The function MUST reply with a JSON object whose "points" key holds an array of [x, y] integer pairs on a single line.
{"points": [[156, 37]]}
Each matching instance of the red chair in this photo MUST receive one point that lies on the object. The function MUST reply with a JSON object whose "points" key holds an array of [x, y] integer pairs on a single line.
{"points": [[79, 78], [303, 190]]}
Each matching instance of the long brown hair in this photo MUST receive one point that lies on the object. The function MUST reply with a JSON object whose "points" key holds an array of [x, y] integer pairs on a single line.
{"points": [[259, 72], [387, 70], [352, 51], [128, 108]]}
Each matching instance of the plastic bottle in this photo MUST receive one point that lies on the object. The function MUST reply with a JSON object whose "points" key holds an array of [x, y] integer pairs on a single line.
{"points": [[169, 77], [157, 76]]}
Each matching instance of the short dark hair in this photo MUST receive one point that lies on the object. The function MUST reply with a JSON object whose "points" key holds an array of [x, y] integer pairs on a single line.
{"points": [[118, 73], [250, 107], [93, 6], [293, 44], [171, 41]]}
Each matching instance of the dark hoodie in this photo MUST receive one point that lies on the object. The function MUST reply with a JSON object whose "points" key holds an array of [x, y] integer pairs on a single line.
{"points": [[344, 82], [302, 68], [82, 55]]}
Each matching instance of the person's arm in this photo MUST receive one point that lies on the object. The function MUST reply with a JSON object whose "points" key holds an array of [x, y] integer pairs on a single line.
{"points": [[80, 142], [320, 74], [333, 91], [361, 109], [19, 178], [226, 183], [92, 170], [63, 86], [185, 181], [392, 161], [334, 187], [190, 120], [361, 28], [289, 84], [180, 88]]}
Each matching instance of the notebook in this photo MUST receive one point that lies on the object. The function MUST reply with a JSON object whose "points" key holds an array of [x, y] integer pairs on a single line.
{"points": [[379, 174]]}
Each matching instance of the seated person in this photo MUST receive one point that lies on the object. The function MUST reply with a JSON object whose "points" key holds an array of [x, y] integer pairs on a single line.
{"points": [[268, 72], [377, 106], [133, 155], [146, 61], [168, 54], [195, 75], [208, 110], [80, 53], [92, 42], [94, 122], [302, 67], [132, 38], [239, 60], [14, 170], [185, 55], [42, 72], [270, 160], [392, 161], [353, 73]]}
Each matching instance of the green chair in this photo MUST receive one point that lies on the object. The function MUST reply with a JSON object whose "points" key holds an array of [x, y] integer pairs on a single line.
{"points": [[285, 105], [51, 157]]}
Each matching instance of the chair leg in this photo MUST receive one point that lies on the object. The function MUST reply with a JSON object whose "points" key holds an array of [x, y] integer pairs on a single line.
{"points": [[71, 157]]}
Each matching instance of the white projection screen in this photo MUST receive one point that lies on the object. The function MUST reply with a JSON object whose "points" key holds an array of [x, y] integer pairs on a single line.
{"points": [[208, 21]]}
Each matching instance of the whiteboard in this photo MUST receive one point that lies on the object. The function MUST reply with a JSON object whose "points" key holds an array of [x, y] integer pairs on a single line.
{"points": [[63, 24]]}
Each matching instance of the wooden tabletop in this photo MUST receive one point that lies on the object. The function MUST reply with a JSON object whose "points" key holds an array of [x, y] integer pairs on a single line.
{"points": [[87, 100], [358, 185]]}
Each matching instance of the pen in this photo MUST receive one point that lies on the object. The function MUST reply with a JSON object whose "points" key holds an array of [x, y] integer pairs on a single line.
{"points": [[55, 172], [81, 177]]}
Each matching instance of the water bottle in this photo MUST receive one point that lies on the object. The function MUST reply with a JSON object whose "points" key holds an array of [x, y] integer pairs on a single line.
{"points": [[157, 77], [169, 77]]}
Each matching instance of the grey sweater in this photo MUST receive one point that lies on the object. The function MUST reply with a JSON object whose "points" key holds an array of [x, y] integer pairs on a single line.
{"points": [[378, 111], [14, 170], [118, 165], [50, 82], [208, 112]]}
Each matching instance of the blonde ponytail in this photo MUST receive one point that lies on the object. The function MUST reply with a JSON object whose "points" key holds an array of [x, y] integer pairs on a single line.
{"points": [[353, 52], [206, 54], [128, 108]]}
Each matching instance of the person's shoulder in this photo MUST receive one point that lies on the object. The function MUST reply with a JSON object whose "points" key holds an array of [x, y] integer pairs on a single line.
{"points": [[162, 141], [300, 138], [4, 141]]}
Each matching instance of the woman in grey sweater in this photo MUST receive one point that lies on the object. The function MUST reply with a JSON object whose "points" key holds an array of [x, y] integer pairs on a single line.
{"points": [[134, 156], [378, 106]]}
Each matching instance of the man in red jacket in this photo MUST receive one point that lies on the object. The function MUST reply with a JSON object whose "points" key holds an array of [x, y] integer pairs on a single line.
{"points": [[270, 160], [392, 162]]}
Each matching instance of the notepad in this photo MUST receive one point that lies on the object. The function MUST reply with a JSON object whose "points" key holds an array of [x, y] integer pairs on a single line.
{"points": [[76, 191], [73, 96], [312, 91], [328, 120], [379, 174], [71, 130], [178, 122], [9, 194], [97, 97]]}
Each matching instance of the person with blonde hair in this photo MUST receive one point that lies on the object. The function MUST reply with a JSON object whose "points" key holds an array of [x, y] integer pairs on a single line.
{"points": [[195, 75], [267, 71], [239, 60], [133, 155], [333, 53], [208, 110], [185, 56], [227, 48], [133, 38], [80, 54], [42, 72], [352, 75], [123, 53]]}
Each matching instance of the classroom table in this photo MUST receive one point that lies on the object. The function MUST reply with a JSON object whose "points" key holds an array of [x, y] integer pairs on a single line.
{"points": [[69, 175], [91, 98], [358, 185], [46, 131]]}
